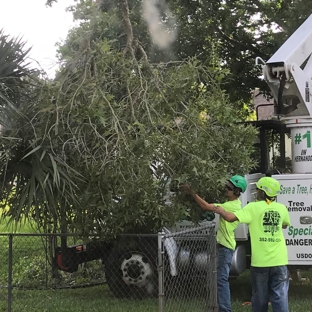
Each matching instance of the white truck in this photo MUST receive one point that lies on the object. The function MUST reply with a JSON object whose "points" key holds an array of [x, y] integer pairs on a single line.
{"points": [[288, 74]]}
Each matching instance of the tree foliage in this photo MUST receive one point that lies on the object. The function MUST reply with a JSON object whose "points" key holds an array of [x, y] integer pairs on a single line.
{"points": [[104, 142]]}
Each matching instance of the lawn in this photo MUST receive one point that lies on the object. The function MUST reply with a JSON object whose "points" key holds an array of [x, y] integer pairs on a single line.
{"points": [[91, 299], [6, 227], [99, 298], [30, 271]]}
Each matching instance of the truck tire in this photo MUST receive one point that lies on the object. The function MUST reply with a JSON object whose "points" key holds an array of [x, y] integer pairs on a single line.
{"points": [[132, 272]]}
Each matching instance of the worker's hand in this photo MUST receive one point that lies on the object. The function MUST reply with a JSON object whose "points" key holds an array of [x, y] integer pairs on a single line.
{"points": [[218, 209], [186, 188]]}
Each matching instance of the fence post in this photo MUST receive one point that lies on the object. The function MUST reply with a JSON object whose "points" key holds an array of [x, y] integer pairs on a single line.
{"points": [[160, 274], [212, 305], [10, 273], [215, 265]]}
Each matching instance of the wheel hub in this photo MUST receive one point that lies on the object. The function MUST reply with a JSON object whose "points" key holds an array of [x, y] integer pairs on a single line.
{"points": [[136, 270]]}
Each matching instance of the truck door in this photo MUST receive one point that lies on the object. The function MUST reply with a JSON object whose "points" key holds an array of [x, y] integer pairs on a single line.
{"points": [[296, 195]]}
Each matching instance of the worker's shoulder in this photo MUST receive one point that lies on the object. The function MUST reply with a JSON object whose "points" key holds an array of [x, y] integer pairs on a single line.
{"points": [[279, 205], [232, 205], [266, 205]]}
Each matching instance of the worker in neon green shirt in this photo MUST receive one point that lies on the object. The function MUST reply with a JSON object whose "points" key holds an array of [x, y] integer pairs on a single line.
{"points": [[266, 218], [225, 237]]}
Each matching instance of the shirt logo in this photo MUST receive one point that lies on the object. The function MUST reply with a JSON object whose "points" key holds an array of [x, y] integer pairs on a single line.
{"points": [[271, 222]]}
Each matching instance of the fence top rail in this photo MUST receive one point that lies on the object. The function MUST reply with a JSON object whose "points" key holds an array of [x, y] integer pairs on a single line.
{"points": [[37, 234], [73, 235], [194, 231]]}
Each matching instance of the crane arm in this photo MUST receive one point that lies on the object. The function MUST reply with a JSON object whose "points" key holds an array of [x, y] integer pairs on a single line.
{"points": [[288, 74]]}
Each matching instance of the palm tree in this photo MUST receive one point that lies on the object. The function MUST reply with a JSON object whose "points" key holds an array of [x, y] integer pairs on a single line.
{"points": [[14, 77], [13, 71], [34, 179], [36, 183]]}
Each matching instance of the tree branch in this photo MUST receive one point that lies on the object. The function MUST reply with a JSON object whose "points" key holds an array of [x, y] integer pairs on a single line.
{"points": [[139, 47], [133, 45], [129, 31]]}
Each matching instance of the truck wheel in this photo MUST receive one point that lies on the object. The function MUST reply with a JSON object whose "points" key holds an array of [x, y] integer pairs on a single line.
{"points": [[132, 273]]}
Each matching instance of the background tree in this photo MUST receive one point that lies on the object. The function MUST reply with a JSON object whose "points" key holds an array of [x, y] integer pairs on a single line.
{"points": [[227, 34]]}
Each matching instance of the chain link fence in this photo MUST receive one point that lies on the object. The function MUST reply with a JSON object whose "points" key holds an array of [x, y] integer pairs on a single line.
{"points": [[47, 272], [188, 275], [30, 271]]}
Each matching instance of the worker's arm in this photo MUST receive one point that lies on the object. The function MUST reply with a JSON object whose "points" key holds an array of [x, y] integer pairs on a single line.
{"points": [[201, 202], [228, 216], [286, 220]]}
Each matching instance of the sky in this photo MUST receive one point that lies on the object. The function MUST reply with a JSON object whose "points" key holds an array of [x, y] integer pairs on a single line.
{"points": [[40, 26]]}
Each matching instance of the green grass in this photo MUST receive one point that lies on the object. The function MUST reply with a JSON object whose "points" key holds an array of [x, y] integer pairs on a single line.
{"points": [[25, 249], [91, 299], [29, 270], [6, 227], [99, 298]]}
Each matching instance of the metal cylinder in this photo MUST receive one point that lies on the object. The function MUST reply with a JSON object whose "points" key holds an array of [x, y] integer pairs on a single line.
{"points": [[201, 261]]}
